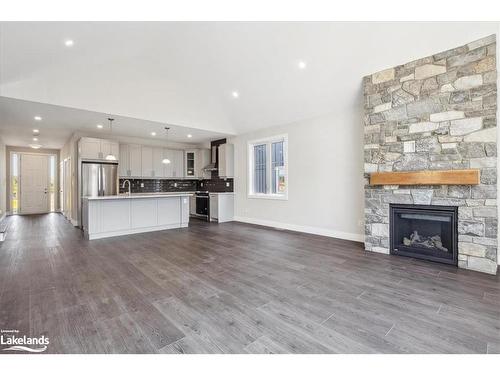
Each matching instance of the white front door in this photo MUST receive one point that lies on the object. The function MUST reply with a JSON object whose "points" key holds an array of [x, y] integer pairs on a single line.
{"points": [[34, 184]]}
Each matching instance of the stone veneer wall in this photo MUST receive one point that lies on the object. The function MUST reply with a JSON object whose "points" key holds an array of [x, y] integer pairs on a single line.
{"points": [[436, 113]]}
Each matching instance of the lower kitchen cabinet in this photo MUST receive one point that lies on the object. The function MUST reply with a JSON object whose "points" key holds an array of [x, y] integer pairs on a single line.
{"points": [[221, 207]]}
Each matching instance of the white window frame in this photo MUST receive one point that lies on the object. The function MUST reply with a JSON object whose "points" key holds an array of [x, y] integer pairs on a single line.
{"points": [[250, 167]]}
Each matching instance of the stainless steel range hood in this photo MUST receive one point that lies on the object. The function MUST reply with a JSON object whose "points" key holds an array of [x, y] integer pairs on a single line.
{"points": [[213, 161]]}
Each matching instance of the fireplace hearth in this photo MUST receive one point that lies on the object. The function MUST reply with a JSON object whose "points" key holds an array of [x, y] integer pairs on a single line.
{"points": [[424, 232]]}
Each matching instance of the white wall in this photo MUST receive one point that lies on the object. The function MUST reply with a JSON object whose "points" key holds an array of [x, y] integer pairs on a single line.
{"points": [[325, 164], [3, 179]]}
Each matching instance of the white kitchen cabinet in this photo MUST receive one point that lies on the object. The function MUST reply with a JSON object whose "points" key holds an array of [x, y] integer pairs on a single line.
{"points": [[177, 163], [90, 148], [109, 148], [96, 148], [158, 166], [204, 158], [147, 161], [190, 157], [194, 162], [221, 207], [175, 169], [226, 160], [124, 165], [135, 160]]}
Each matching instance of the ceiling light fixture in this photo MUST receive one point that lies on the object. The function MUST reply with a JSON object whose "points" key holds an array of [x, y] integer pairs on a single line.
{"points": [[110, 156], [35, 146], [166, 160], [235, 94], [153, 134], [99, 126], [190, 136], [35, 139], [37, 118], [36, 131], [69, 43], [302, 65]]}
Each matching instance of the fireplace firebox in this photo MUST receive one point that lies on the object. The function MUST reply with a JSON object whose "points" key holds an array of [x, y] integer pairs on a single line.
{"points": [[424, 232]]}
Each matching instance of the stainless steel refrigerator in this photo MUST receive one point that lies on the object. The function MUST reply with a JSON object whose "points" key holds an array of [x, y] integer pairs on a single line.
{"points": [[99, 179]]}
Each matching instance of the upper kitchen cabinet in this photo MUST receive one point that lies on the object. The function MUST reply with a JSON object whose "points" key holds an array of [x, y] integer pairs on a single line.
{"points": [[194, 162], [97, 149], [226, 160], [124, 165], [147, 161], [130, 161], [175, 169], [158, 167], [135, 163]]}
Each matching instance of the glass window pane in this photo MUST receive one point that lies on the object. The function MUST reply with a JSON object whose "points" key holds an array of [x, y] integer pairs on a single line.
{"points": [[14, 187], [260, 183], [52, 183], [278, 168]]}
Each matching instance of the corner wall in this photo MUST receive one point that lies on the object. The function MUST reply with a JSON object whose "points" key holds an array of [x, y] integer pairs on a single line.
{"points": [[325, 191]]}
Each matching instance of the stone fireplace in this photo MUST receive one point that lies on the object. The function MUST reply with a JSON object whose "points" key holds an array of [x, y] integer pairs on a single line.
{"points": [[437, 113], [424, 232]]}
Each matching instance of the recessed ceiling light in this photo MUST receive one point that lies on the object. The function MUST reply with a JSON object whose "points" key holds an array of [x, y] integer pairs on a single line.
{"points": [[99, 126], [36, 131], [190, 136], [69, 43], [235, 94], [35, 146], [302, 65], [35, 139], [153, 134], [37, 118]]}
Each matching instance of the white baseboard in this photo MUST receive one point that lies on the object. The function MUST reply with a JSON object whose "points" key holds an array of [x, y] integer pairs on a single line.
{"points": [[302, 228], [3, 216]]}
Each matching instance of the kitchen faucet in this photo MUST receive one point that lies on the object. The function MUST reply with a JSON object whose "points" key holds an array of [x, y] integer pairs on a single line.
{"points": [[123, 186]]}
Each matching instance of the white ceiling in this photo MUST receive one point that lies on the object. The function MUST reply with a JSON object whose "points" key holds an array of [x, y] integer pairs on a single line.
{"points": [[184, 73], [58, 123]]}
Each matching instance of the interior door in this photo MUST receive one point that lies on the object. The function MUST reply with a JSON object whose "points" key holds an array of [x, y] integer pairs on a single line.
{"points": [[34, 184]]}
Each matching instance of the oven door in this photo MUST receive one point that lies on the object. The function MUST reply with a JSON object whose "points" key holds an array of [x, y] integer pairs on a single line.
{"points": [[202, 205]]}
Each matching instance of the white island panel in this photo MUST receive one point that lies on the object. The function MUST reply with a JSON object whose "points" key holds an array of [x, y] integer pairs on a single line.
{"points": [[121, 215], [144, 212], [114, 216]]}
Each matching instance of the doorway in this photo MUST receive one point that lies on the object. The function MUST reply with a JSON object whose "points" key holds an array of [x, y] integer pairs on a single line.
{"points": [[33, 183]]}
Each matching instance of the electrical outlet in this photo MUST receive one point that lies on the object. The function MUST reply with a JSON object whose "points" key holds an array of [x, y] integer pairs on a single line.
{"points": [[142, 184], [227, 184], [360, 222], [201, 183], [175, 184]]}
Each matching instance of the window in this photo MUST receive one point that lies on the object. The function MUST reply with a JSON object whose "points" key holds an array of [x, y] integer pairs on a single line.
{"points": [[267, 171]]}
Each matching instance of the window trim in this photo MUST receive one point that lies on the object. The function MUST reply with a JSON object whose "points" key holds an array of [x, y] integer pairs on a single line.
{"points": [[250, 167]]}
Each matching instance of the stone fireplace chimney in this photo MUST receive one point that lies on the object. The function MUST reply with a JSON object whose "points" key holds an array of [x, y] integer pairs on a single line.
{"points": [[436, 113]]}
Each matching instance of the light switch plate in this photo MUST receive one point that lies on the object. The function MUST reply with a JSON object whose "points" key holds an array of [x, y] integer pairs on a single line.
{"points": [[142, 184]]}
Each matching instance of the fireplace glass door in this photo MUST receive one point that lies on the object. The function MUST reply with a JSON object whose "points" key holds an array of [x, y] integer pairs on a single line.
{"points": [[425, 232]]}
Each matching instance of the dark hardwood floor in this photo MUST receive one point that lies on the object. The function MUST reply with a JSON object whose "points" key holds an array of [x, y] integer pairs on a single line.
{"points": [[235, 288]]}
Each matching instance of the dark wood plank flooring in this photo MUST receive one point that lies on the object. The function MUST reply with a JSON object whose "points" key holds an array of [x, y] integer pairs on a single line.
{"points": [[235, 288]]}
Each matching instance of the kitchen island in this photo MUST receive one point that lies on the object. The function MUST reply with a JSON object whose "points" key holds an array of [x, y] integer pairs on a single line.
{"points": [[117, 215]]}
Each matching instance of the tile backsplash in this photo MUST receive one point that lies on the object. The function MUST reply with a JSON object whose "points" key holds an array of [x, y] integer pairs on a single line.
{"points": [[168, 185]]}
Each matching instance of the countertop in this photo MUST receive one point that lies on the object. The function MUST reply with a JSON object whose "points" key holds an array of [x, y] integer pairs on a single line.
{"points": [[222, 193], [140, 195]]}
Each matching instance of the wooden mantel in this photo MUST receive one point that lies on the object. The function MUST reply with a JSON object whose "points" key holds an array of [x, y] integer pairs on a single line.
{"points": [[445, 177]]}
